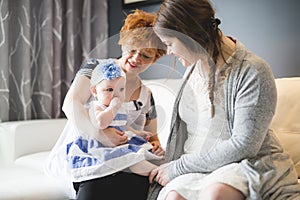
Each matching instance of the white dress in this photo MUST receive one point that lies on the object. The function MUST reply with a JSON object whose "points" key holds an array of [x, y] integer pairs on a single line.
{"points": [[203, 133]]}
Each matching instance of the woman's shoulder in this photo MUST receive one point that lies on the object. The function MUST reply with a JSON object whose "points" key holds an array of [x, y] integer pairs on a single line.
{"points": [[146, 96], [250, 59], [145, 91], [247, 63]]}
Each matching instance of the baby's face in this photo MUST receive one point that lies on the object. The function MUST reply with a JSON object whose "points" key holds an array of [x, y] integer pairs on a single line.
{"points": [[108, 89]]}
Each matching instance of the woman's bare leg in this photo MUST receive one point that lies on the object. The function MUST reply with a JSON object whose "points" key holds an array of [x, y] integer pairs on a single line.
{"points": [[219, 191], [173, 195]]}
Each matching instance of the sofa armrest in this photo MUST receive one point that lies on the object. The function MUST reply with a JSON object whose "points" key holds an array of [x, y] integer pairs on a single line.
{"points": [[18, 138], [286, 121]]}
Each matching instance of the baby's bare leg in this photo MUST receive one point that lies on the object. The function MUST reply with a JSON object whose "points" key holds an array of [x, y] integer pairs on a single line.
{"points": [[142, 168]]}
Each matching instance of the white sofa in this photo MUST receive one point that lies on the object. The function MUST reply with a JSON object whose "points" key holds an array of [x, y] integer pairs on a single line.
{"points": [[24, 145]]}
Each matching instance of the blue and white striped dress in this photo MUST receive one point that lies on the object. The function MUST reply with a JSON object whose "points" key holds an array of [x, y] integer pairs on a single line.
{"points": [[88, 158]]}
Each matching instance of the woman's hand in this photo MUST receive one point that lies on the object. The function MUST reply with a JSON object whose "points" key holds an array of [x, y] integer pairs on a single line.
{"points": [[111, 137], [157, 149], [144, 134], [160, 175]]}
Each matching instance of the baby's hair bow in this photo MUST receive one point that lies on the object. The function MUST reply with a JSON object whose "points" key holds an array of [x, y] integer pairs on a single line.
{"points": [[111, 71]]}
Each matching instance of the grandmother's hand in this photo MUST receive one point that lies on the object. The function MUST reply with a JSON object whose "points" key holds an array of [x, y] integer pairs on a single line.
{"points": [[111, 137], [157, 149], [160, 175], [144, 134]]}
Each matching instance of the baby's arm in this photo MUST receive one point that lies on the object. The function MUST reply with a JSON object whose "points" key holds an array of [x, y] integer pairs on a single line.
{"points": [[102, 118]]}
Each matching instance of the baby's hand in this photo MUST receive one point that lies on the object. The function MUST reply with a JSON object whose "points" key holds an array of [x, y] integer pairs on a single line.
{"points": [[144, 134], [115, 102]]}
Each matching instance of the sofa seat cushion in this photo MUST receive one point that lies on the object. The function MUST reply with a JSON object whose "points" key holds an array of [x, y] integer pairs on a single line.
{"points": [[34, 161], [19, 182], [286, 122]]}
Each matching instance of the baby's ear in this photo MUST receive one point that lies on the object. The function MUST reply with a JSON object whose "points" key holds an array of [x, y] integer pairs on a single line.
{"points": [[93, 90]]}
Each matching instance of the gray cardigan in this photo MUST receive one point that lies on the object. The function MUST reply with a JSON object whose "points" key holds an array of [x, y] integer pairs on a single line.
{"points": [[250, 102]]}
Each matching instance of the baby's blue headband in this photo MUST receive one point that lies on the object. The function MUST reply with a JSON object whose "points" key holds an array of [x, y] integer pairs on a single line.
{"points": [[106, 72]]}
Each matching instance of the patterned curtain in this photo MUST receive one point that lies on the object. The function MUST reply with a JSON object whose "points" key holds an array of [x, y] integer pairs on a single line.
{"points": [[42, 45]]}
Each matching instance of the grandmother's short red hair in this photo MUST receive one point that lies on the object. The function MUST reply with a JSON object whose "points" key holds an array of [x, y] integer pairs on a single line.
{"points": [[137, 32]]}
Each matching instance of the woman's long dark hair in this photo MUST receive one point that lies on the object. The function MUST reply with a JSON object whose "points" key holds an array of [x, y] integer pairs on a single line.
{"points": [[195, 19]]}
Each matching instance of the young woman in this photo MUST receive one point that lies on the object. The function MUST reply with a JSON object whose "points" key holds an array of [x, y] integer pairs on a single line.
{"points": [[140, 48], [220, 145]]}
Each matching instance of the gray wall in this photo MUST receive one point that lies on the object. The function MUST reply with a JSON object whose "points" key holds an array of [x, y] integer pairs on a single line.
{"points": [[270, 28]]}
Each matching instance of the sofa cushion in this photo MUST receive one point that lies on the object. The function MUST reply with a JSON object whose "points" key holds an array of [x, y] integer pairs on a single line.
{"points": [[24, 183], [27, 137], [34, 161], [286, 122]]}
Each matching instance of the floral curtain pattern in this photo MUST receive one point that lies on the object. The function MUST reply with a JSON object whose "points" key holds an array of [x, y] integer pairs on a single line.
{"points": [[42, 45]]}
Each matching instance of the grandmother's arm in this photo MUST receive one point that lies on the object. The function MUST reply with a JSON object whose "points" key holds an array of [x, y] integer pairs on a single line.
{"points": [[74, 109], [151, 126]]}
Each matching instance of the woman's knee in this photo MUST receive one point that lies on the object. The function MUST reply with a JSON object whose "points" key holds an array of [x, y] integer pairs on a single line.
{"points": [[220, 191], [173, 195]]}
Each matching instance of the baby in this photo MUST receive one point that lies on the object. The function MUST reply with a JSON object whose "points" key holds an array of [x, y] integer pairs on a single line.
{"points": [[107, 110]]}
